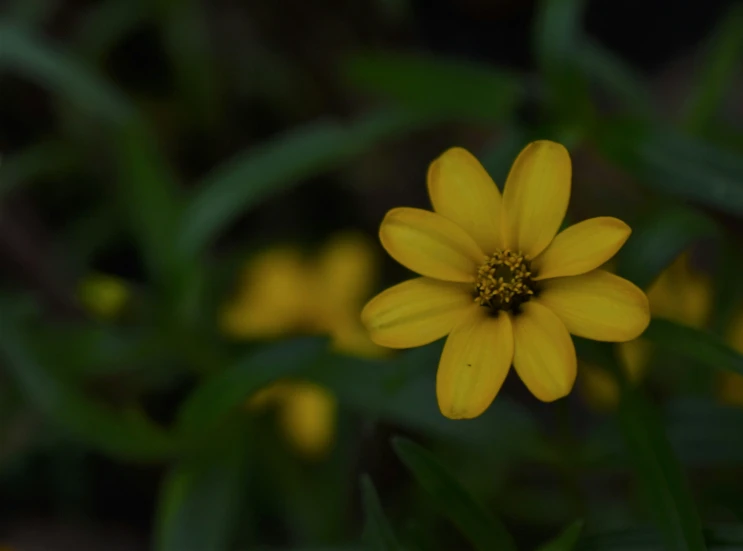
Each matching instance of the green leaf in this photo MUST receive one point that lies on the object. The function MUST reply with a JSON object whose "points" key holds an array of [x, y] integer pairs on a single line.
{"points": [[557, 40], [50, 158], [45, 64], [378, 534], [217, 398], [448, 89], [659, 474], [126, 434], [721, 537], [702, 346], [677, 165], [150, 197], [200, 498], [263, 171], [189, 47], [481, 528], [659, 238], [103, 24], [719, 67], [30, 13], [615, 77], [567, 540]]}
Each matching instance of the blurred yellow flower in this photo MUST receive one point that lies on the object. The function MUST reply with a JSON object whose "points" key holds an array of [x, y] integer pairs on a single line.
{"points": [[283, 292], [679, 294], [102, 295], [731, 385], [500, 281]]}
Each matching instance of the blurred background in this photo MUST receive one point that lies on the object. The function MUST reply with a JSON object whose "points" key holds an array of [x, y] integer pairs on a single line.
{"points": [[190, 194]]}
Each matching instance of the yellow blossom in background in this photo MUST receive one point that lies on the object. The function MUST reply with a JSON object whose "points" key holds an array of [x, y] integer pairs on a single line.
{"points": [[102, 295], [500, 281], [731, 384], [283, 292]]}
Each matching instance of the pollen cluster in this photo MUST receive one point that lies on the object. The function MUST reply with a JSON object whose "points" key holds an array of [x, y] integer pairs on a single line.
{"points": [[504, 281]]}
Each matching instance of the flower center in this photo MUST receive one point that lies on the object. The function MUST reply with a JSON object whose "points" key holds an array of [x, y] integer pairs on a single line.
{"points": [[504, 281]]}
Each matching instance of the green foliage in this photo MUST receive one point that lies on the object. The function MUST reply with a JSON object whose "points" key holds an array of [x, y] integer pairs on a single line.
{"points": [[378, 533], [565, 541], [200, 498], [438, 88], [167, 168], [482, 529], [659, 474]]}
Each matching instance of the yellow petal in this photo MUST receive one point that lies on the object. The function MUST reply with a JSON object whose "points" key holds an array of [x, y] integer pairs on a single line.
{"points": [[351, 337], [730, 389], [735, 333], [544, 355], [308, 419], [430, 245], [598, 305], [682, 295], [599, 388], [473, 365], [634, 356], [271, 298], [345, 272], [581, 248], [462, 190], [536, 196], [417, 312], [272, 394]]}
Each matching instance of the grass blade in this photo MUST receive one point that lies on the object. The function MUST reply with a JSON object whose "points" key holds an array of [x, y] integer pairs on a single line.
{"points": [[719, 68], [378, 534], [567, 540], [448, 89], [659, 474], [125, 434], [252, 176], [31, 57], [482, 529], [200, 499], [702, 346]]}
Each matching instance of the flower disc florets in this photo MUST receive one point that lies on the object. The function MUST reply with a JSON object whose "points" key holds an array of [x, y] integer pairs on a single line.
{"points": [[504, 281]]}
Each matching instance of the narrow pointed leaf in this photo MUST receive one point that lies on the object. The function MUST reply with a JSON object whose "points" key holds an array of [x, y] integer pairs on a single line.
{"points": [[675, 164], [659, 474], [483, 529], [200, 498], [127, 434], [32, 57], [718, 68], [263, 171], [704, 347], [450, 89], [378, 534], [567, 540]]}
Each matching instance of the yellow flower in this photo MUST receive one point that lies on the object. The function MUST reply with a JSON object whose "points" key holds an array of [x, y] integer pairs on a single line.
{"points": [[103, 296], [500, 281], [307, 414], [281, 293]]}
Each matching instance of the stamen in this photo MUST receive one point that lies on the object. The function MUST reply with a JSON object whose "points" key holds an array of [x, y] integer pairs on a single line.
{"points": [[504, 281]]}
